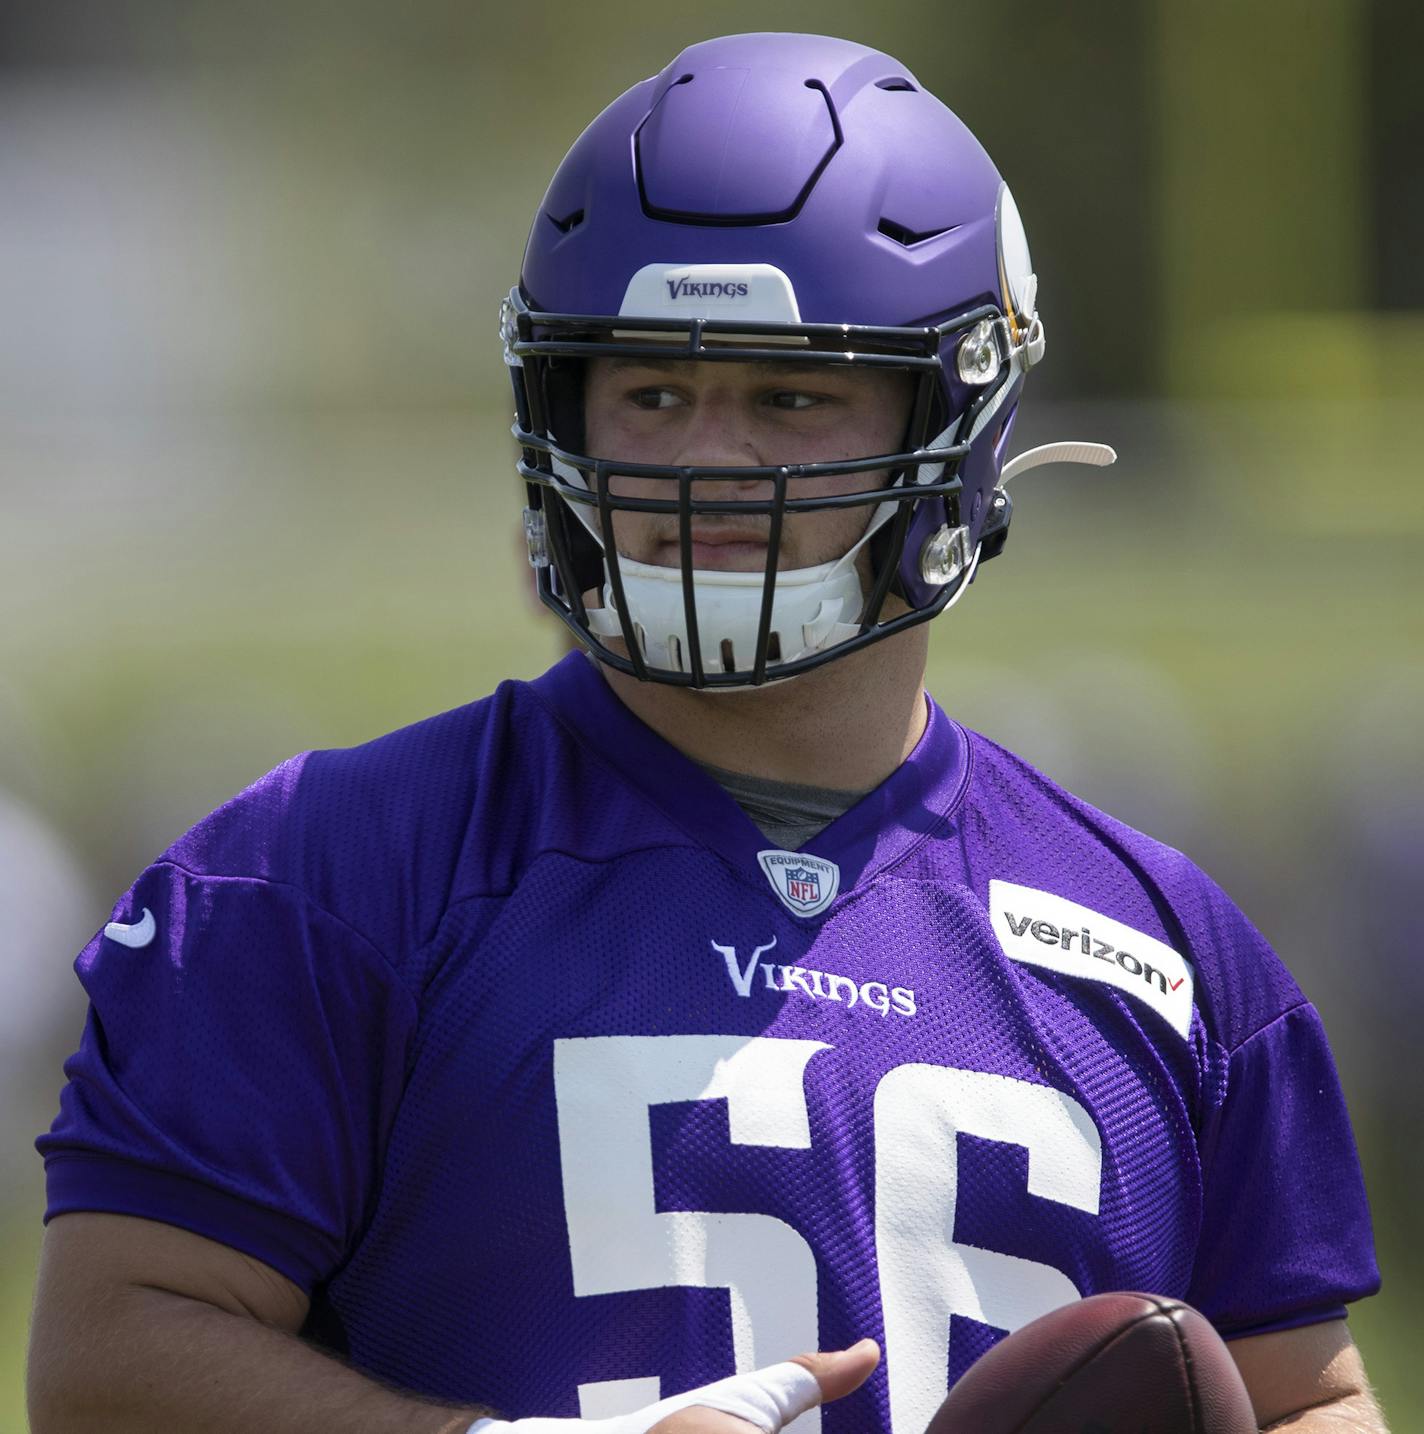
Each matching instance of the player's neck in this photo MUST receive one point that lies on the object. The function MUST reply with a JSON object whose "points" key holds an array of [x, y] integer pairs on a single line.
{"points": [[846, 725]]}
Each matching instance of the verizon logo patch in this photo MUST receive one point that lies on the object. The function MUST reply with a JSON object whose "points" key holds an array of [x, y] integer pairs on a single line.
{"points": [[1041, 929]]}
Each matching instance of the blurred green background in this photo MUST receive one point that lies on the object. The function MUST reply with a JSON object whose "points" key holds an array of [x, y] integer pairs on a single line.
{"points": [[256, 491]]}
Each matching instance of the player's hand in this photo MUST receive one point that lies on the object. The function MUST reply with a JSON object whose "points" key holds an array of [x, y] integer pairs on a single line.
{"points": [[841, 1371], [778, 1400], [764, 1401]]}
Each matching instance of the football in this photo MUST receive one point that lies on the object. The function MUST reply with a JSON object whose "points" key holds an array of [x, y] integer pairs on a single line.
{"points": [[1111, 1364]]}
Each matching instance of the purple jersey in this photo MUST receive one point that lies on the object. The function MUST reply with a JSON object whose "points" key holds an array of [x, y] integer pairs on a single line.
{"points": [[507, 1038]]}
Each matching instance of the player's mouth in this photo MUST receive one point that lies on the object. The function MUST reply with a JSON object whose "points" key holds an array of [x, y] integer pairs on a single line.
{"points": [[737, 550]]}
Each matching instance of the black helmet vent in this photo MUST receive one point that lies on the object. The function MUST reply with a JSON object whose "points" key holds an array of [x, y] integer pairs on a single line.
{"points": [[910, 237]]}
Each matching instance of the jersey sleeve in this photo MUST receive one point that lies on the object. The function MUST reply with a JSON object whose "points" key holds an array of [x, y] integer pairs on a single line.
{"points": [[1285, 1237], [237, 1075]]}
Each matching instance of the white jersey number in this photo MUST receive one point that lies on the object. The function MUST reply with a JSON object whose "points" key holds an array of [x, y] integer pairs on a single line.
{"points": [[619, 1241], [926, 1275]]}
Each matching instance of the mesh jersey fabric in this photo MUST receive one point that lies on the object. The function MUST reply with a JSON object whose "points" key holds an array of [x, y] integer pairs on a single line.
{"points": [[493, 1036], [788, 814]]}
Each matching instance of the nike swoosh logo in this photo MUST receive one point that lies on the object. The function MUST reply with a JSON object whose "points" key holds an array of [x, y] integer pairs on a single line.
{"points": [[140, 933]]}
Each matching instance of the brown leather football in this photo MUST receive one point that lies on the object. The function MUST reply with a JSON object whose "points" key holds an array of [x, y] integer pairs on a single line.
{"points": [[1110, 1364]]}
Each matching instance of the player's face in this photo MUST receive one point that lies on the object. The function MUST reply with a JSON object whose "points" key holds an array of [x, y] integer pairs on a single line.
{"points": [[730, 415]]}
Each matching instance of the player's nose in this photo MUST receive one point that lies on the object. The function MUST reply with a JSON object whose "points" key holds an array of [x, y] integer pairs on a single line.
{"points": [[716, 434]]}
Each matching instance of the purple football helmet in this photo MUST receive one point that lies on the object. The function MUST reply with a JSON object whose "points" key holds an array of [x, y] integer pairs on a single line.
{"points": [[772, 197]]}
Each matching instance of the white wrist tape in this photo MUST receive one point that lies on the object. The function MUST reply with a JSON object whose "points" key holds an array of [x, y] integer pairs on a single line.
{"points": [[769, 1398]]}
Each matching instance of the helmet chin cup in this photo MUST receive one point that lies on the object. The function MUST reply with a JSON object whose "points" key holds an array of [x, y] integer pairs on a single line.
{"points": [[812, 609]]}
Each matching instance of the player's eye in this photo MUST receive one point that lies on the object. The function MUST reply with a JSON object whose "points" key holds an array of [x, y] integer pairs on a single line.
{"points": [[652, 398], [792, 399]]}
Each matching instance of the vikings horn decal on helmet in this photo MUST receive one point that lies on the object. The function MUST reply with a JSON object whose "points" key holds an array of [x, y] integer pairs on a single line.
{"points": [[874, 232]]}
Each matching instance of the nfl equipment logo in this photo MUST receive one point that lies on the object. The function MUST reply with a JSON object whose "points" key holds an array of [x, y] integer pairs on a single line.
{"points": [[803, 886]]}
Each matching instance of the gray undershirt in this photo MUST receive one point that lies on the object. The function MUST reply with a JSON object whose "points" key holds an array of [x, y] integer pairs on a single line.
{"points": [[786, 813]]}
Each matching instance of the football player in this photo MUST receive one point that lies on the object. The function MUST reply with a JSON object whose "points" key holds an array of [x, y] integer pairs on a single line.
{"points": [[715, 996]]}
